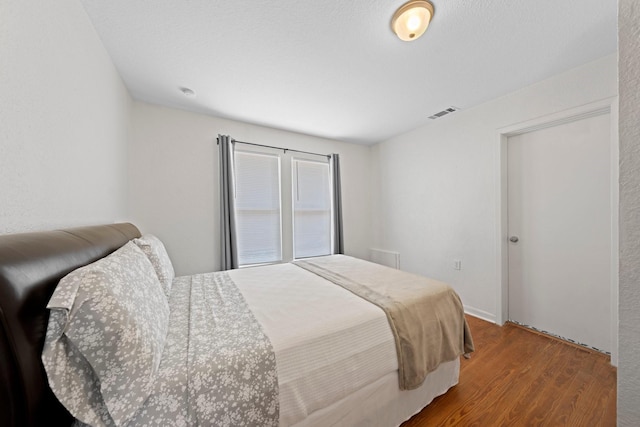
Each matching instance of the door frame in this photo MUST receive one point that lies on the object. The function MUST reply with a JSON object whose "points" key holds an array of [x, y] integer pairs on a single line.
{"points": [[604, 106]]}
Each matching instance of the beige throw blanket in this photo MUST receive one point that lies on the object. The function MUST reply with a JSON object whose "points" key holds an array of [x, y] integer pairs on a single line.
{"points": [[426, 316]]}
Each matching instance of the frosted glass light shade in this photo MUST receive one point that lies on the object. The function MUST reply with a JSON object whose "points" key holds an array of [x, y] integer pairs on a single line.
{"points": [[412, 19]]}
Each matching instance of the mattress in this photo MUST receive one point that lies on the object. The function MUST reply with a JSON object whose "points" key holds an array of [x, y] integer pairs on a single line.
{"points": [[335, 354], [382, 403], [336, 359], [328, 342]]}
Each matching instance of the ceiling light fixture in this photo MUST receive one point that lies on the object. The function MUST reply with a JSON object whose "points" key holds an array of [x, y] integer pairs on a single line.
{"points": [[412, 19]]}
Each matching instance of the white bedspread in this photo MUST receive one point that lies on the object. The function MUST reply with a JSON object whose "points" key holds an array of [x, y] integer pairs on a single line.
{"points": [[334, 342]]}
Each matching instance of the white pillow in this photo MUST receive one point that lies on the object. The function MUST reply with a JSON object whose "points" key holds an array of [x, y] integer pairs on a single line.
{"points": [[157, 254], [107, 329]]}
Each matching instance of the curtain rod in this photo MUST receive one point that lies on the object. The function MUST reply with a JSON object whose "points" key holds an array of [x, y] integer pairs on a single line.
{"points": [[280, 148]]}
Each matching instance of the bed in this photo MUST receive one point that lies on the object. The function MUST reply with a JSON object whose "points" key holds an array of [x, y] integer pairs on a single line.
{"points": [[339, 359]]}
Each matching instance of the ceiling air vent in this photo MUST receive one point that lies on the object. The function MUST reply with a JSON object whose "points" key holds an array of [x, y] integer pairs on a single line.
{"points": [[444, 112]]}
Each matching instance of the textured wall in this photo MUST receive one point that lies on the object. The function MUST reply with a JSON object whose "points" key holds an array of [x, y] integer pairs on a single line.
{"points": [[64, 115], [438, 195], [629, 309]]}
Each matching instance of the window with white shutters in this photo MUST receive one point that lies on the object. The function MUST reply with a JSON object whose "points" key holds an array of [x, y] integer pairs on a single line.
{"points": [[258, 211], [311, 208]]}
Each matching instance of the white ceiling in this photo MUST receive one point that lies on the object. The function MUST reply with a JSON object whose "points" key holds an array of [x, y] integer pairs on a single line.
{"points": [[334, 68]]}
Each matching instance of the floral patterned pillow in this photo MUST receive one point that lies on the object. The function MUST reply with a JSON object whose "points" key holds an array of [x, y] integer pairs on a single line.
{"points": [[107, 329], [157, 254]]}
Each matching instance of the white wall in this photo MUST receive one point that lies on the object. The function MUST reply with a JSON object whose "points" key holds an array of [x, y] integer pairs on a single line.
{"points": [[629, 294], [438, 198], [173, 181], [64, 115]]}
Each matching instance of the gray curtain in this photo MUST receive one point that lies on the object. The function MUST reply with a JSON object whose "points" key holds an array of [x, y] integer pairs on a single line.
{"points": [[228, 236], [338, 238]]}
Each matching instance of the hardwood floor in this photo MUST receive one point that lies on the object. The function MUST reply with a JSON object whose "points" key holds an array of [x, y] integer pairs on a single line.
{"points": [[518, 377]]}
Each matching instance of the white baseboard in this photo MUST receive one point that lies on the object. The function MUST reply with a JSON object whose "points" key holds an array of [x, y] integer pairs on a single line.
{"points": [[484, 315]]}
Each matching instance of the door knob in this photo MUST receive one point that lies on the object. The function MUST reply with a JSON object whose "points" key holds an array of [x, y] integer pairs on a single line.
{"points": [[513, 239]]}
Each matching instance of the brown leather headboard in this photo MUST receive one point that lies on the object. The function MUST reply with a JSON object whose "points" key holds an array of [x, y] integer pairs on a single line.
{"points": [[31, 264]]}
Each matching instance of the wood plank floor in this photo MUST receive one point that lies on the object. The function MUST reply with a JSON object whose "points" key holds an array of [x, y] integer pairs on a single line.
{"points": [[518, 377]]}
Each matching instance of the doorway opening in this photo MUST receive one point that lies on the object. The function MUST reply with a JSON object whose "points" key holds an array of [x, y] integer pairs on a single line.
{"points": [[606, 107]]}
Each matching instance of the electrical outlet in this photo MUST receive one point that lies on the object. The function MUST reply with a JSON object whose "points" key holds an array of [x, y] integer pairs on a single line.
{"points": [[457, 264]]}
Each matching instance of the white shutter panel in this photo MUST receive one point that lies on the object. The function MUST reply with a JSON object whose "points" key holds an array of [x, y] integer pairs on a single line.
{"points": [[311, 208], [258, 208]]}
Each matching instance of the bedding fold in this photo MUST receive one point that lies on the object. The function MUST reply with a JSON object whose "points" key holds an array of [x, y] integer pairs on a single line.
{"points": [[232, 367], [426, 316]]}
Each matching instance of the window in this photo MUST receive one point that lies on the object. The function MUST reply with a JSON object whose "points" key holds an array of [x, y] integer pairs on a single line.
{"points": [[311, 208], [258, 213], [283, 206]]}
